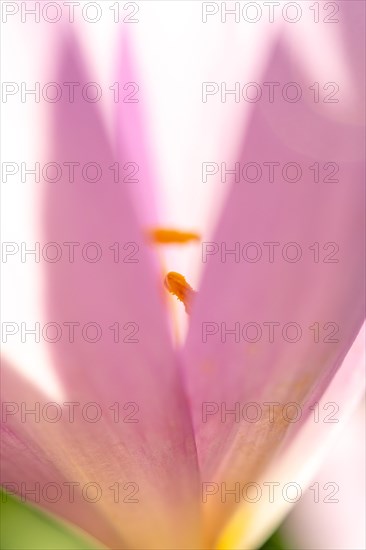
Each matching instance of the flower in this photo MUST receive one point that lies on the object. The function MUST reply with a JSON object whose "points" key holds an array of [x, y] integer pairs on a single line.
{"points": [[162, 478]]}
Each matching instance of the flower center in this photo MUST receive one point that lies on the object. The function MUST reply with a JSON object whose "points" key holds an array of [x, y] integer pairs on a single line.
{"points": [[174, 282]]}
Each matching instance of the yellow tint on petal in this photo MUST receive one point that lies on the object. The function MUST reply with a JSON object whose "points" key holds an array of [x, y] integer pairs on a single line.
{"points": [[232, 535]]}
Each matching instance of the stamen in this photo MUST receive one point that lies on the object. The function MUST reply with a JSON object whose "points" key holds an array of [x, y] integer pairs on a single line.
{"points": [[172, 236], [178, 286]]}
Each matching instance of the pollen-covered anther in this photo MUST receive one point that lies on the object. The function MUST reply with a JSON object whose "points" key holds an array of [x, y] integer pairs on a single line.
{"points": [[172, 236], [176, 284]]}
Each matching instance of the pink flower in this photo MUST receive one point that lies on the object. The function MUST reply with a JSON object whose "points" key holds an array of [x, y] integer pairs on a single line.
{"points": [[164, 464]]}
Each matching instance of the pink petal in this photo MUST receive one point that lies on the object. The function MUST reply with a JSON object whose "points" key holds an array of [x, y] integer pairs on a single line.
{"points": [[32, 454], [138, 374], [224, 374], [132, 129], [253, 522]]}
